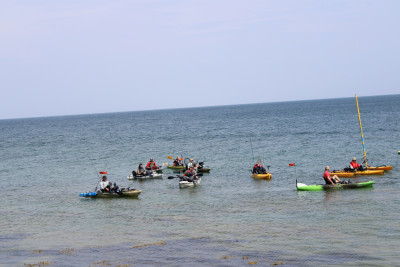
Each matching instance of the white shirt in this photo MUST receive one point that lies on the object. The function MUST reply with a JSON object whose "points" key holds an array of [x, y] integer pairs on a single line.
{"points": [[103, 184]]}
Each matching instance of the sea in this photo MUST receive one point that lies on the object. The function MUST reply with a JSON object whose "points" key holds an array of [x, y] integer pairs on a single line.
{"points": [[230, 219]]}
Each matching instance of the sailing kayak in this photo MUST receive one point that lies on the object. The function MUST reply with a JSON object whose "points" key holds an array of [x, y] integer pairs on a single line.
{"points": [[366, 172], [384, 167], [319, 187], [342, 174], [266, 176], [132, 193], [184, 183]]}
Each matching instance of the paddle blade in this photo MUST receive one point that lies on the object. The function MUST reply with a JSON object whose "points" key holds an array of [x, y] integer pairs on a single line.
{"points": [[170, 157], [171, 177]]}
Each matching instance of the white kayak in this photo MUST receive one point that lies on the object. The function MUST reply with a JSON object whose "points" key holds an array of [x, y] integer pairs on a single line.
{"points": [[152, 175], [185, 183]]}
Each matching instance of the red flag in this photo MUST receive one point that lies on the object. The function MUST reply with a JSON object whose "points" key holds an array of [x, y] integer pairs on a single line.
{"points": [[103, 172], [291, 164]]}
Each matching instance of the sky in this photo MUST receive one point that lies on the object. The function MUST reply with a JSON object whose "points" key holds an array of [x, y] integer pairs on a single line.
{"points": [[98, 56]]}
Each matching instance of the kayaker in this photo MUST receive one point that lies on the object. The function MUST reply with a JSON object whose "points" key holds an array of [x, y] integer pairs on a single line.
{"points": [[104, 185], [354, 166], [141, 170], [191, 164], [151, 165], [178, 162], [259, 169], [328, 179], [190, 174]]}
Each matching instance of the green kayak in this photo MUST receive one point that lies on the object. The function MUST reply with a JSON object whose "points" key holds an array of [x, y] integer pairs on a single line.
{"points": [[175, 167], [318, 187]]}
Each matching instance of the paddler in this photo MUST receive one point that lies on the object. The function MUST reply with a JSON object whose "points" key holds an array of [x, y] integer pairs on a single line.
{"points": [[192, 164], [259, 169], [190, 174], [104, 185], [178, 162], [354, 166], [151, 165], [141, 170], [328, 179]]}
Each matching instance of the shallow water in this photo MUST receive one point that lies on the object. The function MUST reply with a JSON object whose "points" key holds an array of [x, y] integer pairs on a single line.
{"points": [[230, 219]]}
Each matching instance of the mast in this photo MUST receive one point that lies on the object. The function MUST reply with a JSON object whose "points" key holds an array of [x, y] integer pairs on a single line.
{"points": [[362, 136]]}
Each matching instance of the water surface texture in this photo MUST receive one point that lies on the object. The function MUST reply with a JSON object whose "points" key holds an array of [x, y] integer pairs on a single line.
{"points": [[230, 219]]}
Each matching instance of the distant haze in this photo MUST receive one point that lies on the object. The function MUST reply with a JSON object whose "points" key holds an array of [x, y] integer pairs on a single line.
{"points": [[82, 57]]}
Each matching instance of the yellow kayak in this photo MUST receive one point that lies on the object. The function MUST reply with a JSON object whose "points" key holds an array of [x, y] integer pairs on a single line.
{"points": [[266, 176], [385, 168], [367, 172], [342, 174]]}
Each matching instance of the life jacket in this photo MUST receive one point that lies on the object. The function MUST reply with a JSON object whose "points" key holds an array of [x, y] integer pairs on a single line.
{"points": [[355, 165]]}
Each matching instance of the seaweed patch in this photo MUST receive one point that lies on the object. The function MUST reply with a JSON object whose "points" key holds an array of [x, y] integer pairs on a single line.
{"points": [[39, 264], [162, 243]]}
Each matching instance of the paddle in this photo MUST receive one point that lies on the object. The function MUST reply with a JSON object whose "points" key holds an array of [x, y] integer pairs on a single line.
{"points": [[170, 157]]}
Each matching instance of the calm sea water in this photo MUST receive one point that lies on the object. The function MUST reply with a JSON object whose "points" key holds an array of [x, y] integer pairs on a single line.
{"points": [[231, 219]]}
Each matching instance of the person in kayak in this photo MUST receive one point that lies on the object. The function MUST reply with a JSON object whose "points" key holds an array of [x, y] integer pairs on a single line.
{"points": [[141, 170], [354, 166], [328, 179], [151, 165], [106, 186], [190, 174], [259, 169], [178, 162], [191, 164]]}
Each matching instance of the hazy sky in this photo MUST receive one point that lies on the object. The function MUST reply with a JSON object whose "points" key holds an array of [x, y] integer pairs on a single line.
{"points": [[79, 57]]}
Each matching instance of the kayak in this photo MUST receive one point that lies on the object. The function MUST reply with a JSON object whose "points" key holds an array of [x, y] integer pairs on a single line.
{"points": [[175, 167], [184, 183], [342, 174], [203, 170], [152, 175], [366, 172], [266, 176], [319, 187], [132, 193], [384, 167]]}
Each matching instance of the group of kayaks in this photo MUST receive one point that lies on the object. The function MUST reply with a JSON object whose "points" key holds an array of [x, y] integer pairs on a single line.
{"points": [[348, 172], [184, 182], [348, 184]]}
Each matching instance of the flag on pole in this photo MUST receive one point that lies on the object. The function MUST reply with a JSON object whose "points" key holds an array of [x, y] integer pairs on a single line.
{"points": [[291, 164]]}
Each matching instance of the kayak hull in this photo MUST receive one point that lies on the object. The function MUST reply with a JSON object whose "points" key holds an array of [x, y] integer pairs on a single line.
{"points": [[343, 174], [366, 172], [133, 193], [175, 167], [185, 184], [147, 177], [203, 170], [319, 187], [384, 168], [266, 176]]}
